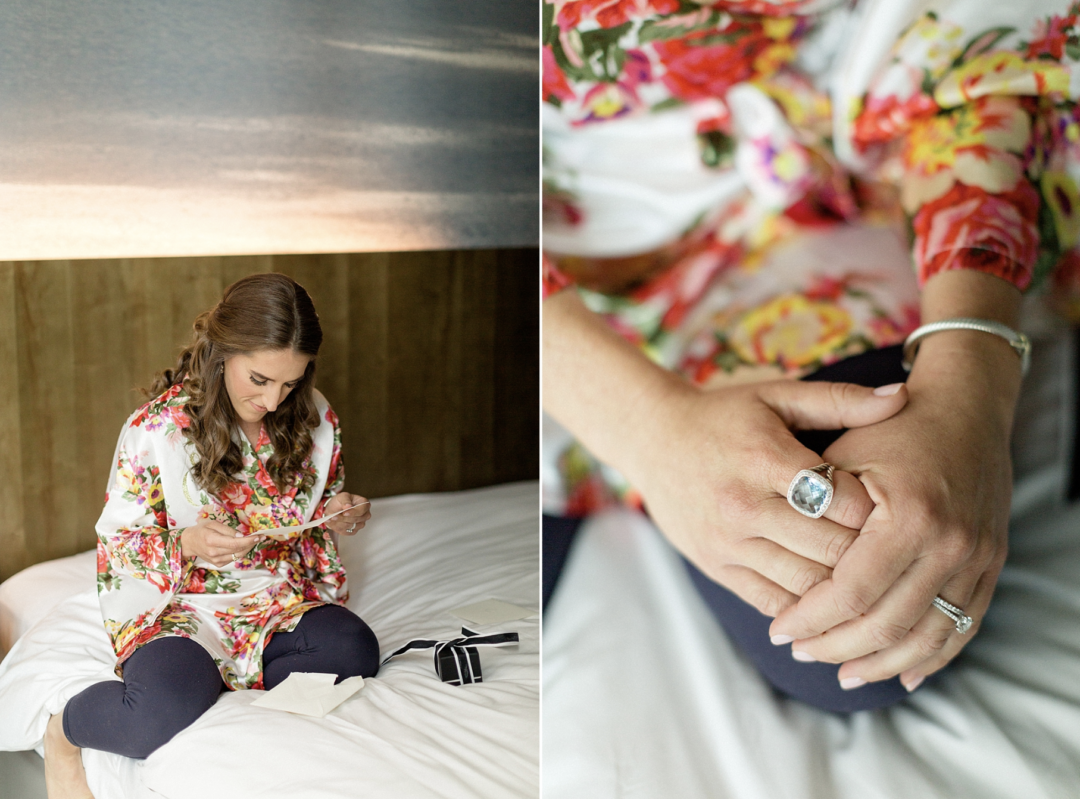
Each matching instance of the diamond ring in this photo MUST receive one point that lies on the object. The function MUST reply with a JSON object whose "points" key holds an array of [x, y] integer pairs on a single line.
{"points": [[811, 490], [963, 621]]}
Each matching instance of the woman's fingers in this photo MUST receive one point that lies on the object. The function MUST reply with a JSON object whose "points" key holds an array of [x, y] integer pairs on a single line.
{"points": [[888, 622], [222, 548], [355, 518], [794, 574], [755, 590], [869, 567], [902, 635], [819, 540], [831, 406], [851, 505], [217, 527], [912, 676], [931, 643]]}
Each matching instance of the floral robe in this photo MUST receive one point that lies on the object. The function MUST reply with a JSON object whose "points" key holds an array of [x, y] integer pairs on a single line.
{"points": [[147, 590], [742, 187]]}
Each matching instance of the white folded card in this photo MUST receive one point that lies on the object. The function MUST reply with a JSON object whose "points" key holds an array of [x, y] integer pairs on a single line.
{"points": [[309, 694], [285, 533], [492, 611]]}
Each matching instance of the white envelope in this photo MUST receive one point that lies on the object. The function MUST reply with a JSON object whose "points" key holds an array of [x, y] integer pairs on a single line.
{"points": [[309, 694], [492, 611]]}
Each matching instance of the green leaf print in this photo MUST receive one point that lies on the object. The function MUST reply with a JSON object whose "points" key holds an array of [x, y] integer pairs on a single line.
{"points": [[217, 583], [656, 30], [982, 43]]}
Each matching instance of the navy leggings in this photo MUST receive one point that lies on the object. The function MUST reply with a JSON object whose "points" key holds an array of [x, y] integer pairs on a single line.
{"points": [[170, 682], [813, 683]]}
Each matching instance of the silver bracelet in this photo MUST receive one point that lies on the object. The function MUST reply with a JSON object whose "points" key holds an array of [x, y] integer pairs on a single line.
{"points": [[1018, 341]]}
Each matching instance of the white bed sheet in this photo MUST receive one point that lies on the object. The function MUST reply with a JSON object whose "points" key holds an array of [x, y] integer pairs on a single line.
{"points": [[645, 696], [404, 735]]}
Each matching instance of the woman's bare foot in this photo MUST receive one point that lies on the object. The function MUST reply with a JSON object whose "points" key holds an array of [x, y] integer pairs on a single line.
{"points": [[64, 774]]}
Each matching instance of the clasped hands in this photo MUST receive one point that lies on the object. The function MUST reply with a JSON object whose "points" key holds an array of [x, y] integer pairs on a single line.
{"points": [[921, 503]]}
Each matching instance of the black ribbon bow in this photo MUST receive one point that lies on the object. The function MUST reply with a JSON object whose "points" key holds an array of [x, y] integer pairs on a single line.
{"points": [[457, 662]]}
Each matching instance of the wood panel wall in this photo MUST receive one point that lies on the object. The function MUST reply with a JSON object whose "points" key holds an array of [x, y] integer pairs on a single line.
{"points": [[431, 360]]}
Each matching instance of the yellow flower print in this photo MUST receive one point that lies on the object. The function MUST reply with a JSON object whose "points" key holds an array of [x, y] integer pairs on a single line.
{"points": [[971, 144], [804, 106], [778, 28], [769, 61], [1059, 191], [156, 494], [1000, 73], [125, 479], [930, 44], [791, 331], [122, 633]]}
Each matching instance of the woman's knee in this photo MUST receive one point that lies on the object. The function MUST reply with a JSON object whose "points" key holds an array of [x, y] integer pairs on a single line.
{"points": [[168, 683], [336, 636], [167, 689]]}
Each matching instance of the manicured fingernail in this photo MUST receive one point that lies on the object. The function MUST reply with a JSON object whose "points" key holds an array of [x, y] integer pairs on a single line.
{"points": [[803, 656], [913, 684], [887, 391], [780, 640], [852, 682]]}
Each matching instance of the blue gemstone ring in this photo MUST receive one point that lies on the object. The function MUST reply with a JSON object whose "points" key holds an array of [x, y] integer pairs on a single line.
{"points": [[811, 490]]}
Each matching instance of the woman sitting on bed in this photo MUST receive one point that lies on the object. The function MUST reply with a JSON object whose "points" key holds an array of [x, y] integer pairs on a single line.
{"points": [[235, 440]]}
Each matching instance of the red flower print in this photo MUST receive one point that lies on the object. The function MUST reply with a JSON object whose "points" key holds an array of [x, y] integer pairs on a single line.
{"points": [[823, 287], [177, 415], [968, 228], [264, 480], [611, 13], [236, 496], [587, 497], [159, 581], [552, 279], [151, 550], [698, 71], [102, 559], [1051, 36], [885, 118], [636, 69], [555, 83], [335, 466], [606, 101], [196, 582], [331, 417], [764, 7]]}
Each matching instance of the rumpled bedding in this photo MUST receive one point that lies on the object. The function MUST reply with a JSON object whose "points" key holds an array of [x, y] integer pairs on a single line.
{"points": [[645, 696], [405, 734]]}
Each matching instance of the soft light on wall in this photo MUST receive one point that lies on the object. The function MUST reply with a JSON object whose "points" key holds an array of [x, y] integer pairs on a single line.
{"points": [[134, 128]]}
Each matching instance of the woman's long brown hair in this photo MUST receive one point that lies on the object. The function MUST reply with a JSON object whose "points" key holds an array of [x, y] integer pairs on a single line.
{"points": [[260, 312]]}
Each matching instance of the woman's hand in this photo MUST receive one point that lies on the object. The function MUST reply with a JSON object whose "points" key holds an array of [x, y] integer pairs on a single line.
{"points": [[215, 542], [351, 521], [714, 466], [714, 469], [940, 477]]}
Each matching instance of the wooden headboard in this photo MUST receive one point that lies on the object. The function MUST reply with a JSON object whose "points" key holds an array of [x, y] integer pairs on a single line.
{"points": [[431, 359]]}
